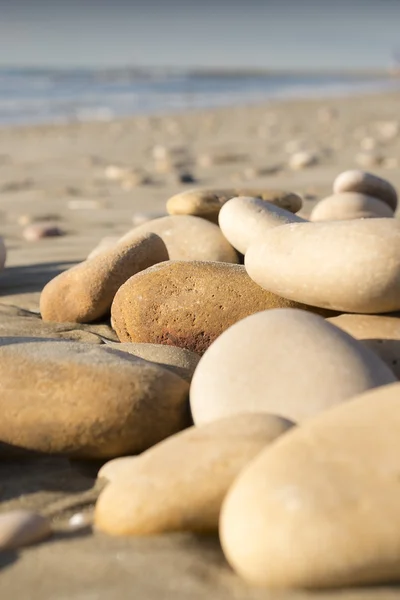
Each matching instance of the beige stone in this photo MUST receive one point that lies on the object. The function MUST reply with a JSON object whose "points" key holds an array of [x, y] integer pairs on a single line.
{"points": [[85, 292], [286, 362], [324, 501], [349, 266], [379, 333], [302, 160], [180, 361], [244, 219], [207, 203], [366, 183], [85, 401], [38, 231], [188, 238], [21, 528], [350, 205], [188, 304], [15, 322], [179, 485]]}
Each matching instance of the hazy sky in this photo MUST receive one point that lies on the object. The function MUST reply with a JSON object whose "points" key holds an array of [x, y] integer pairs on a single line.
{"points": [[254, 33]]}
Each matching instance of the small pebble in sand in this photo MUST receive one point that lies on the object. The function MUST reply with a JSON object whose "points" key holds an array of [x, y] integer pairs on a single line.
{"points": [[368, 143], [134, 179], [368, 159], [185, 177], [363, 182], [388, 130], [38, 231], [21, 528], [114, 172], [80, 521], [302, 160]]}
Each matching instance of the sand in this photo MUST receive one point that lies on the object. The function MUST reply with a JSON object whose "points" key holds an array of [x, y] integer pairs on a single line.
{"points": [[42, 170]]}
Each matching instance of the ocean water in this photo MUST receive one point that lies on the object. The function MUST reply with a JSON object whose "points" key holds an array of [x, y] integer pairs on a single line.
{"points": [[33, 96]]}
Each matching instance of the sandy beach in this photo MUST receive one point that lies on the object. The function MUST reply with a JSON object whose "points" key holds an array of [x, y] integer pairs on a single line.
{"points": [[96, 179]]}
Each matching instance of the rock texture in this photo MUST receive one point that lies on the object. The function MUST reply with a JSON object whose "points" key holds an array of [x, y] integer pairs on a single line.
{"points": [[85, 292], [349, 266], [180, 361], [187, 304], [286, 362], [324, 501], [85, 401], [188, 238], [179, 484]]}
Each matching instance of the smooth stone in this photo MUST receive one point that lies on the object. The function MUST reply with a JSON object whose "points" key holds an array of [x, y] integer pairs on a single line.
{"points": [[38, 231], [180, 361], [320, 508], [21, 528], [366, 183], [85, 292], [286, 362], [244, 219], [179, 484], [85, 401], [302, 160], [349, 266], [379, 333], [208, 203], [188, 304], [188, 238], [350, 205]]}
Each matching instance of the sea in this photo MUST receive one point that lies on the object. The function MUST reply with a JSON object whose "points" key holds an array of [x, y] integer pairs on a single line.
{"points": [[40, 96]]}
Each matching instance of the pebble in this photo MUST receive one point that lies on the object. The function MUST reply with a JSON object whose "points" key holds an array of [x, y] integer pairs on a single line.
{"points": [[85, 292], [188, 304], [326, 367], [187, 238], [38, 231], [85, 401], [366, 183], [350, 205], [20, 528], [208, 203], [323, 500], [179, 484], [302, 160], [178, 360], [368, 159], [348, 266], [379, 333], [80, 521], [244, 219], [115, 172], [388, 130]]}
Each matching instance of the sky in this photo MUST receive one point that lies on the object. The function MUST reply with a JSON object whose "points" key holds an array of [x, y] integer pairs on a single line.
{"points": [[281, 34]]}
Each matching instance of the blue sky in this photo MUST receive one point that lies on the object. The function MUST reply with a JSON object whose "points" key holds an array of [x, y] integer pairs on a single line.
{"points": [[246, 33]]}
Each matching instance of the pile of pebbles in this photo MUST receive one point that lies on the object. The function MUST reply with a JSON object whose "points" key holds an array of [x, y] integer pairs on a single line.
{"points": [[249, 386]]}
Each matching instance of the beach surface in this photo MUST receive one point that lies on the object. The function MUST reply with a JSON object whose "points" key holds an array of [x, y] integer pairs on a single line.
{"points": [[94, 180]]}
